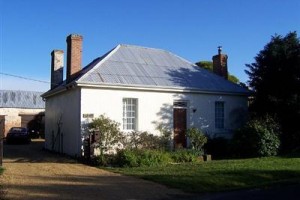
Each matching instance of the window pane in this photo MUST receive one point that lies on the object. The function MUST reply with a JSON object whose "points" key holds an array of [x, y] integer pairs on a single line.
{"points": [[129, 113], [219, 114]]}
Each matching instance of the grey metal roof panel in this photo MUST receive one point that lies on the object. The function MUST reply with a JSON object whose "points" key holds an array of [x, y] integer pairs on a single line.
{"points": [[21, 99], [134, 65]]}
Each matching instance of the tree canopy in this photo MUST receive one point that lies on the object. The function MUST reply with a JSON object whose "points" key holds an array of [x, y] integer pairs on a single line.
{"points": [[275, 78], [209, 66]]}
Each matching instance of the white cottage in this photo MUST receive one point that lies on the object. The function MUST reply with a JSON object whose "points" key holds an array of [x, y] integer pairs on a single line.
{"points": [[141, 88]]}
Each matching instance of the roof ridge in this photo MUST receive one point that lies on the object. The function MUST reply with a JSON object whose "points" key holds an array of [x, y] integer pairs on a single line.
{"points": [[31, 91], [163, 50], [143, 47]]}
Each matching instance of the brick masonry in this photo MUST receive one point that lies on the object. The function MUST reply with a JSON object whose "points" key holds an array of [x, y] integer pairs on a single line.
{"points": [[220, 65], [74, 55]]}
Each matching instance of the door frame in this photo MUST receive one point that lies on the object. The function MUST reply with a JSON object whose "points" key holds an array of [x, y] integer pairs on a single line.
{"points": [[180, 105]]}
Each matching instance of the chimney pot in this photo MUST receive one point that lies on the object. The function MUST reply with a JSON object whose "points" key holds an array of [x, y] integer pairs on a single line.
{"points": [[219, 50]]}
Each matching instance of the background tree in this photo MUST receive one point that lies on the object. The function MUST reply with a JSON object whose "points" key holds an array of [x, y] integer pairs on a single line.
{"points": [[206, 65], [209, 66], [275, 78]]}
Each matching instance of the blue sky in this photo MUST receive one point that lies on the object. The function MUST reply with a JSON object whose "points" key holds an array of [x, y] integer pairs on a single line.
{"points": [[192, 29]]}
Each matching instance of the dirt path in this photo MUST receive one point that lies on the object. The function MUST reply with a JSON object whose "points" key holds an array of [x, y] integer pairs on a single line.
{"points": [[32, 173]]}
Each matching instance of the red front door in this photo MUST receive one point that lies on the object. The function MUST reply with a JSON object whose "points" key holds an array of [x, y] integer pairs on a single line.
{"points": [[179, 116]]}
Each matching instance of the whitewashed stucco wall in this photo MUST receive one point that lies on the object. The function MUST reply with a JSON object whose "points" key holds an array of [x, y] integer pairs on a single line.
{"points": [[154, 108], [64, 109], [157, 107]]}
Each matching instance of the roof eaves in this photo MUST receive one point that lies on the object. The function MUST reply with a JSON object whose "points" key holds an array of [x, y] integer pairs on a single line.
{"points": [[54, 91], [159, 88]]}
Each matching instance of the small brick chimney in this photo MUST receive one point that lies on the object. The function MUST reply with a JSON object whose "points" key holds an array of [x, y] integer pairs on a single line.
{"points": [[74, 55], [220, 64], [57, 65]]}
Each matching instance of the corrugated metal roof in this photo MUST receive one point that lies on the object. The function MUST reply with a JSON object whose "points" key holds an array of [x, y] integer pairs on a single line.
{"points": [[21, 99], [133, 65]]}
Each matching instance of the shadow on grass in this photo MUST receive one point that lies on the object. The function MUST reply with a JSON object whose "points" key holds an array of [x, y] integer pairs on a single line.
{"points": [[225, 180]]}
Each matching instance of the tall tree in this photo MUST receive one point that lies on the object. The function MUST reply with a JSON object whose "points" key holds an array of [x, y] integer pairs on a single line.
{"points": [[275, 78], [209, 66]]}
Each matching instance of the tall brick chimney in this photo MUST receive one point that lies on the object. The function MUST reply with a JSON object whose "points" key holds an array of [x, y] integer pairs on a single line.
{"points": [[220, 64], [74, 55], [57, 65]]}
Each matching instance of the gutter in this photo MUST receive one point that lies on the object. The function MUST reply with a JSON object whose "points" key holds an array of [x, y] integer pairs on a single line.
{"points": [[138, 88], [59, 90], [159, 89]]}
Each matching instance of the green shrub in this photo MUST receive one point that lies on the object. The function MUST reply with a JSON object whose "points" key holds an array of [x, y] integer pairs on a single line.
{"points": [[197, 138], [165, 137], [109, 134], [142, 157], [259, 137], [127, 158], [186, 155], [149, 141], [103, 160], [154, 158], [147, 157], [145, 140]]}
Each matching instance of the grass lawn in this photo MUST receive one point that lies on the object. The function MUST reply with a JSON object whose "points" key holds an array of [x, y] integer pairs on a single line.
{"points": [[222, 175]]}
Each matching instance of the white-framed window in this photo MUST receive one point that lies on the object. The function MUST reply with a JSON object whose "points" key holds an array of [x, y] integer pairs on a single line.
{"points": [[129, 114], [219, 114]]}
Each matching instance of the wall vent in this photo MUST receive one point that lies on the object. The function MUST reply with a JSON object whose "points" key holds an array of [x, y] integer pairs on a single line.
{"points": [[180, 104]]}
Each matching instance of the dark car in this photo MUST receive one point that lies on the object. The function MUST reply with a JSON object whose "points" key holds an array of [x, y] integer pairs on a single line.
{"points": [[18, 135]]}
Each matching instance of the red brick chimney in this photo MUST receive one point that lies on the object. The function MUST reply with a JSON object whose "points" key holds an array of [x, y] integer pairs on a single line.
{"points": [[220, 64], [74, 55], [57, 65]]}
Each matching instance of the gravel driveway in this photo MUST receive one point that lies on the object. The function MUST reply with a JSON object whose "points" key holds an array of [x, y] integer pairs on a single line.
{"points": [[32, 173]]}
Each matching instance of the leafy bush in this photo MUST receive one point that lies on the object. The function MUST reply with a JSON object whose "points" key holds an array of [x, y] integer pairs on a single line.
{"points": [[127, 158], [165, 138], [197, 138], [103, 160], [218, 147], [154, 158], [259, 137], [141, 140], [145, 140], [138, 157], [186, 155], [109, 134], [142, 157]]}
